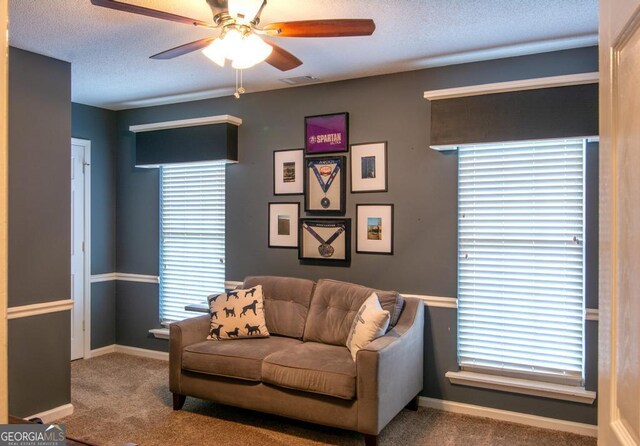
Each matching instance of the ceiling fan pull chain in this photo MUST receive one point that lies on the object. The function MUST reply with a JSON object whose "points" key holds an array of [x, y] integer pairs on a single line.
{"points": [[239, 87]]}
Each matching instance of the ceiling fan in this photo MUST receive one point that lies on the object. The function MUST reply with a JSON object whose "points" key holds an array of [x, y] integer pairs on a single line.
{"points": [[240, 38]]}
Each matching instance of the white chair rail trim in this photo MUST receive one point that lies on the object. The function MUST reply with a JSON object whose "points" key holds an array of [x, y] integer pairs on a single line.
{"points": [[39, 308], [127, 277]]}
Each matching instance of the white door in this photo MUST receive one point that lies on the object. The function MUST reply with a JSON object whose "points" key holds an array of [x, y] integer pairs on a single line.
{"points": [[79, 163], [619, 354]]}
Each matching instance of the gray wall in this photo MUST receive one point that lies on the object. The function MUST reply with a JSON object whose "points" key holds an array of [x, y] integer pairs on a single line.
{"points": [[99, 126], [422, 185], [39, 229]]}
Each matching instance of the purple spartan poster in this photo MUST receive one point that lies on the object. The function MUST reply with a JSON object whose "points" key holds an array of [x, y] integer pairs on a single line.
{"points": [[326, 133]]}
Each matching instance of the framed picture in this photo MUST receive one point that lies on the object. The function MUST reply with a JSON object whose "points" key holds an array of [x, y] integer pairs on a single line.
{"points": [[326, 133], [325, 185], [374, 228], [325, 239], [288, 172], [369, 167], [283, 225]]}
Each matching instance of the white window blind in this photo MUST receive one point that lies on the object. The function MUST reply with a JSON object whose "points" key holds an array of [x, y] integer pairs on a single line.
{"points": [[192, 245], [521, 259]]}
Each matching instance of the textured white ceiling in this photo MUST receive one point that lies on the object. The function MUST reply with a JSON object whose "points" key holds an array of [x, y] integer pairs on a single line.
{"points": [[109, 50]]}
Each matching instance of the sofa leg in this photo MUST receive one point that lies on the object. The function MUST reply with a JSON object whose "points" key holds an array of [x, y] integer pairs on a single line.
{"points": [[413, 404], [178, 401], [370, 440]]}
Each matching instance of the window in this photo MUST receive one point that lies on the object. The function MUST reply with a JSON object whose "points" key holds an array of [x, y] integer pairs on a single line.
{"points": [[521, 259], [192, 236]]}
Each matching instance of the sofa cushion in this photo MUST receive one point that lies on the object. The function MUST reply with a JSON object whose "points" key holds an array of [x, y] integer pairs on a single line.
{"points": [[393, 302], [286, 303], [240, 359], [237, 314], [370, 323], [312, 367], [333, 307]]}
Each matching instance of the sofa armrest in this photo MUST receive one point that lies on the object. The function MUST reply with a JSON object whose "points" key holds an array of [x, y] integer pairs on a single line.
{"points": [[390, 370], [181, 334]]}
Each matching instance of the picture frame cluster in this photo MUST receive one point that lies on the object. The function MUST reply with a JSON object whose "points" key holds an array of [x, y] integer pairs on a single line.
{"points": [[319, 173]]}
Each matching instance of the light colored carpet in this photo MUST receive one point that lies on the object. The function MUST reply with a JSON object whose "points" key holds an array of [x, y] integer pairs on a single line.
{"points": [[120, 399]]}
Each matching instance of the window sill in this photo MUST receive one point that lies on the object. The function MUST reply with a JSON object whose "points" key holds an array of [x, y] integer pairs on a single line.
{"points": [[160, 333], [523, 386]]}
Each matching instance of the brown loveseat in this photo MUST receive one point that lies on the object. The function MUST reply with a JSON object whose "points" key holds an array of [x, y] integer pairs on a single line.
{"points": [[303, 370]]}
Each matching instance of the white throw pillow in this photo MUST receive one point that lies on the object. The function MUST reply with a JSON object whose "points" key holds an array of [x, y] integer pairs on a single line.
{"points": [[370, 323], [237, 314]]}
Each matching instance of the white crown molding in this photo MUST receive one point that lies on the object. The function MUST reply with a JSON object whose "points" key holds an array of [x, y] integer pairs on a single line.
{"points": [[51, 415], [207, 120], [519, 85], [522, 386], [39, 308], [573, 427]]}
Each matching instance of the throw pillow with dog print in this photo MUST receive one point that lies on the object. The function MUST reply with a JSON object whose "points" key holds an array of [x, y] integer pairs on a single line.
{"points": [[370, 323], [237, 314]]}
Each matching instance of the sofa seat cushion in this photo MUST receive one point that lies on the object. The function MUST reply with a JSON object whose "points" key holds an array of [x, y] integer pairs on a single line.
{"points": [[240, 358], [313, 367]]}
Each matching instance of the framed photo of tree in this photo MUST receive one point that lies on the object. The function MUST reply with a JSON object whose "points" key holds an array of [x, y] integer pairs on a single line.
{"points": [[325, 185], [374, 228]]}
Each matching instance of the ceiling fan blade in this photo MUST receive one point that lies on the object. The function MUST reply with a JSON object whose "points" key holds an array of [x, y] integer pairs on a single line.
{"points": [[183, 49], [119, 6], [282, 59], [323, 28]]}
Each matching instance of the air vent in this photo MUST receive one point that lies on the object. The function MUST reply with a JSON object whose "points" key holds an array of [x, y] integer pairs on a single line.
{"points": [[299, 80]]}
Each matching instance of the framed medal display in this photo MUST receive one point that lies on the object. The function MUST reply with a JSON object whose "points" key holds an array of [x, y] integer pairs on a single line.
{"points": [[374, 228], [325, 185], [288, 172], [325, 239], [326, 133], [369, 167], [283, 225]]}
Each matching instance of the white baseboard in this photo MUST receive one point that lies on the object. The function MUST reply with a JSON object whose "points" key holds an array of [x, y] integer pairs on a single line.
{"points": [[589, 430], [127, 350], [51, 415], [102, 351], [135, 351]]}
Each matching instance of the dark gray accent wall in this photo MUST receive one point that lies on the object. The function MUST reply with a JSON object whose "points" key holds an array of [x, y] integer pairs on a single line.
{"points": [[440, 355], [39, 178], [39, 370], [422, 185], [99, 126], [39, 229], [103, 314]]}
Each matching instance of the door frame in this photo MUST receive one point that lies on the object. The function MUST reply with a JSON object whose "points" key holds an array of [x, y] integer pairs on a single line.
{"points": [[4, 143], [87, 245]]}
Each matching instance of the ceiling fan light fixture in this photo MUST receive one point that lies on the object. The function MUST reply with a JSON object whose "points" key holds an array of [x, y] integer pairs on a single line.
{"points": [[244, 10], [253, 51], [216, 52]]}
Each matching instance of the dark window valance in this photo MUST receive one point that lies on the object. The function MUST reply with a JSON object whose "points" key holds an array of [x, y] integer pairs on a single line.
{"points": [[200, 143], [515, 116]]}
